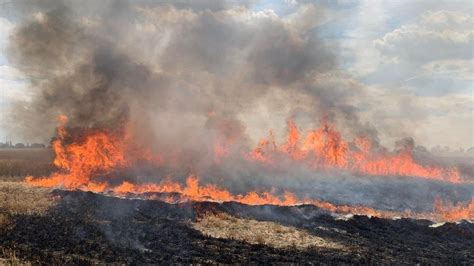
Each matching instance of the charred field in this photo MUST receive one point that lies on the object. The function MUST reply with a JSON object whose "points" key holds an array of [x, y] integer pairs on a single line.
{"points": [[84, 227]]}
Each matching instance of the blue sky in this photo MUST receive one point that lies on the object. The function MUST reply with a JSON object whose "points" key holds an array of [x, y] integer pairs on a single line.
{"points": [[414, 58]]}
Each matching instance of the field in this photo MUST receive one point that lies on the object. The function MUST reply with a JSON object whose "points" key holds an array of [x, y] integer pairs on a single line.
{"points": [[16, 198], [15, 164], [43, 226]]}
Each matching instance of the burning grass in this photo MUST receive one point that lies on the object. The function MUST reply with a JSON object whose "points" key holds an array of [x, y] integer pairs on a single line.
{"points": [[324, 149], [260, 232], [87, 161]]}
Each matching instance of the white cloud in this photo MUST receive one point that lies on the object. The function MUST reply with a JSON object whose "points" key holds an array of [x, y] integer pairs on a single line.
{"points": [[457, 69], [6, 27], [12, 84], [417, 60], [309, 16], [437, 35], [366, 24], [430, 120], [447, 19], [10, 73]]}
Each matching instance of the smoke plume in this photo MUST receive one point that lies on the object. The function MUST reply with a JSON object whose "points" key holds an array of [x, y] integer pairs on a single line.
{"points": [[167, 65], [187, 74]]}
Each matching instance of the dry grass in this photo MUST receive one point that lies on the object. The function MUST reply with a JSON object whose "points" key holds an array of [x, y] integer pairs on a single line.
{"points": [[15, 164], [8, 257], [39, 155], [5, 220], [15, 170], [18, 198], [258, 232]]}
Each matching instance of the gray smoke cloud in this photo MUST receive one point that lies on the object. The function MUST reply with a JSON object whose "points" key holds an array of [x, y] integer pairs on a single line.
{"points": [[103, 64], [186, 74]]}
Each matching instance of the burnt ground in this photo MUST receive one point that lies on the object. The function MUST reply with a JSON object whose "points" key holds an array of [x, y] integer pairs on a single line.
{"points": [[90, 228]]}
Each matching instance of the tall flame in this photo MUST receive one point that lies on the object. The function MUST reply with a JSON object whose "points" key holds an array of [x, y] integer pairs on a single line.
{"points": [[98, 154], [324, 148]]}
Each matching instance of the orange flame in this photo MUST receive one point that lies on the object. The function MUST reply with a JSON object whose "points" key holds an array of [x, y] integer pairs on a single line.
{"points": [[453, 212], [98, 154], [88, 163], [193, 191], [324, 149]]}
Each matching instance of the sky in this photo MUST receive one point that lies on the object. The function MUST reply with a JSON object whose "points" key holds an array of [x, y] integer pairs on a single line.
{"points": [[414, 58]]}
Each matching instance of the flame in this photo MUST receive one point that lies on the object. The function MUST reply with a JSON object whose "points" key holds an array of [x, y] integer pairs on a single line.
{"points": [[100, 153], [324, 149], [90, 162], [453, 212], [194, 192]]}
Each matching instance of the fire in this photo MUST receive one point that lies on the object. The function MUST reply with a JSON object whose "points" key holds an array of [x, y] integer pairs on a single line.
{"points": [[194, 192], [325, 149], [90, 162], [98, 154], [453, 212]]}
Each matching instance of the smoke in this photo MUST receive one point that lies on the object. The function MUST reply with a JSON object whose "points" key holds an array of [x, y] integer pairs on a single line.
{"points": [[185, 75], [155, 64]]}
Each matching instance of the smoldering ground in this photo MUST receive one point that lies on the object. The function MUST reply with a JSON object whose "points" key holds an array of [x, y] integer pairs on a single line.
{"points": [[185, 75]]}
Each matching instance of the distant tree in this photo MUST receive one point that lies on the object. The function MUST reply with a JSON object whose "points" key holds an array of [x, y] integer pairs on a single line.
{"points": [[37, 146], [20, 146]]}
